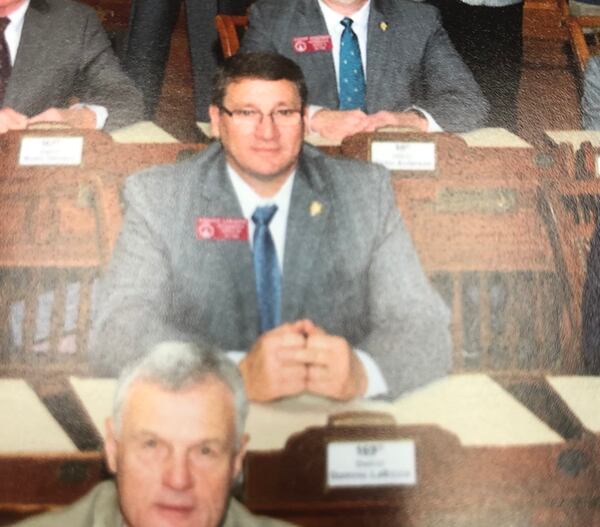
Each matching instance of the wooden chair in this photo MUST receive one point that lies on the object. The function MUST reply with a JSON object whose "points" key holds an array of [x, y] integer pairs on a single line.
{"points": [[57, 233], [230, 29], [570, 211]]}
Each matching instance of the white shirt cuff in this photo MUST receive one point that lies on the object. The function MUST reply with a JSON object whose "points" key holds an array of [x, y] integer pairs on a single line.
{"points": [[235, 356], [432, 125], [100, 111], [376, 384]]}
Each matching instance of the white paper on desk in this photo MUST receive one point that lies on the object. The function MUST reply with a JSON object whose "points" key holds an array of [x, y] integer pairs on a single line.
{"points": [[25, 424], [97, 396], [475, 408], [44, 315], [574, 137], [472, 406], [142, 132], [582, 395], [493, 138]]}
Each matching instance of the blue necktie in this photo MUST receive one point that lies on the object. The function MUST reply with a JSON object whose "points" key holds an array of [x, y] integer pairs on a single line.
{"points": [[352, 77], [268, 277]]}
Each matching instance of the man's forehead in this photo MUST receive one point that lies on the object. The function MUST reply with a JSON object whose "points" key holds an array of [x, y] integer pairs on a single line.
{"points": [[250, 89], [147, 398]]}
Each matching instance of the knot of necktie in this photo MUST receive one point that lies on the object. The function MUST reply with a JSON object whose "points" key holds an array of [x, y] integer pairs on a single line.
{"points": [[347, 22], [263, 215]]}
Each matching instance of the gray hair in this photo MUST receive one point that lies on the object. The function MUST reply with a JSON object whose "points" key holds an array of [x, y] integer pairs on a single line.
{"points": [[178, 365]]}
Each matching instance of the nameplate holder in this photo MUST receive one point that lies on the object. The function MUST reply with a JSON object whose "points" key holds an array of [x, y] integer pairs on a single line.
{"points": [[483, 200], [51, 151], [371, 463], [404, 155]]}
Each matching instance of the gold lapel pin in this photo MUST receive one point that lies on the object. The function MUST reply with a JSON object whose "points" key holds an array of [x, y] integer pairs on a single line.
{"points": [[383, 26], [315, 208]]}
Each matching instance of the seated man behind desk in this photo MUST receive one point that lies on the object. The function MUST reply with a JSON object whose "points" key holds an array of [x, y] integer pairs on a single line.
{"points": [[328, 270], [175, 443], [55, 51], [371, 64]]}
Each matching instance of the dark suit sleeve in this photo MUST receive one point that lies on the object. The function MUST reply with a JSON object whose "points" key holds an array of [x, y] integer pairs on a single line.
{"points": [[591, 308], [590, 103], [409, 337], [136, 289], [448, 90], [102, 81]]}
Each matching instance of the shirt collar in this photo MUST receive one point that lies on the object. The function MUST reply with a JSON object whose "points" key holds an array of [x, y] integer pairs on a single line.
{"points": [[249, 199], [17, 16], [360, 19]]}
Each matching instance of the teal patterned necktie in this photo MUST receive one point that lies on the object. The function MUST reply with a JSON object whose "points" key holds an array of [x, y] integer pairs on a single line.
{"points": [[352, 77]]}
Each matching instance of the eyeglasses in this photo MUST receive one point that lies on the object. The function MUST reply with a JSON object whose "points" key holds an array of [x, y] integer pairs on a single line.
{"points": [[281, 117]]}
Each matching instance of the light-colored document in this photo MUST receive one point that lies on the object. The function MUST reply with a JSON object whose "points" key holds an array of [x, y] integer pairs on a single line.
{"points": [[475, 408], [471, 406], [574, 137], [142, 132], [26, 426], [582, 395], [493, 138]]}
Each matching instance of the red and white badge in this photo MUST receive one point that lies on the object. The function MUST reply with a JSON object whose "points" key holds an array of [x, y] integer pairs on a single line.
{"points": [[219, 228], [312, 43]]}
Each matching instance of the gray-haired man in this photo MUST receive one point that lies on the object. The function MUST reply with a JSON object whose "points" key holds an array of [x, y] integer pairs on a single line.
{"points": [[175, 443]]}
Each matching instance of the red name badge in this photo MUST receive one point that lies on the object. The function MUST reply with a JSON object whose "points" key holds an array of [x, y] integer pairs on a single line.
{"points": [[312, 43], [235, 229]]}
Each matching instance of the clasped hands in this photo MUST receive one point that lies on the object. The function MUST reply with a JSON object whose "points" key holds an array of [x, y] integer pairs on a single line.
{"points": [[337, 124], [75, 117], [301, 357]]}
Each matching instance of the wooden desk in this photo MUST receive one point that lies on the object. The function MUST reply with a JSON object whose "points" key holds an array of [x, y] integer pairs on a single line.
{"points": [[548, 478]]}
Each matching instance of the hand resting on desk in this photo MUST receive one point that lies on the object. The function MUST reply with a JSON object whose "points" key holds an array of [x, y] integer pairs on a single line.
{"points": [[75, 117], [301, 357]]}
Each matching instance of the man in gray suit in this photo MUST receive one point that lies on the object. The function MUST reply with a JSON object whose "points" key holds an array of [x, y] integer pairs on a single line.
{"points": [[590, 102], [414, 77], [53, 52], [345, 310]]}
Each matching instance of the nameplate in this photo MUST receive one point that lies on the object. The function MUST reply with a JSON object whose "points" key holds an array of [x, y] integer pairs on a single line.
{"points": [[371, 463], [597, 166], [485, 200], [51, 151], [400, 155]]}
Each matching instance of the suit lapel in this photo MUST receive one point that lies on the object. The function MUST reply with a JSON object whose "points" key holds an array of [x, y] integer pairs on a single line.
{"points": [[307, 219], [378, 51], [219, 200], [32, 58], [311, 23]]}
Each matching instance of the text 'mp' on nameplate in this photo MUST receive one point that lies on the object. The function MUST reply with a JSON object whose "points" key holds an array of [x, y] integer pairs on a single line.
{"points": [[371, 463], [403, 155], [51, 151]]}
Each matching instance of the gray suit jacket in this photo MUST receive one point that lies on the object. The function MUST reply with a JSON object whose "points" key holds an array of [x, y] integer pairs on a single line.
{"points": [[100, 508], [590, 102], [410, 60], [351, 268], [65, 53]]}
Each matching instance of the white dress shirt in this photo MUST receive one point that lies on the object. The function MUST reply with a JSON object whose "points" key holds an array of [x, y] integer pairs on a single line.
{"points": [[249, 200], [12, 35], [360, 26]]}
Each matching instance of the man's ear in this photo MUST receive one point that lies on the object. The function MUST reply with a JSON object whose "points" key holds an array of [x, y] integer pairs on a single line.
{"points": [[110, 445], [215, 118], [239, 456]]}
